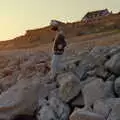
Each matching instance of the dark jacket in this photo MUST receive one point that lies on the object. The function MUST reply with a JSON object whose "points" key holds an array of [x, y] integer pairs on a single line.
{"points": [[59, 44]]}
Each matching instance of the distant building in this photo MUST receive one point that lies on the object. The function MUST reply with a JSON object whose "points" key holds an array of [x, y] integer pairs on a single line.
{"points": [[95, 15]]}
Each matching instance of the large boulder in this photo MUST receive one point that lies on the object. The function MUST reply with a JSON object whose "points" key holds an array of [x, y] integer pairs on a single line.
{"points": [[85, 115], [117, 86], [87, 64], [113, 64], [7, 82], [21, 98], [114, 50], [46, 113], [109, 89], [69, 86], [111, 78], [78, 101], [87, 81], [53, 109], [100, 51], [101, 72], [93, 91], [91, 61], [115, 112], [104, 106], [54, 93]]}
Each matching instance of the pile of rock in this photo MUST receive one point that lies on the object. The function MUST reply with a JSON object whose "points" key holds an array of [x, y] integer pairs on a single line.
{"points": [[91, 88], [88, 91], [21, 65]]}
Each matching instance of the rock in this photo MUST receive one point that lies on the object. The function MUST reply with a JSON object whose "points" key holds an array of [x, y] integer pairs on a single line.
{"points": [[41, 102], [109, 89], [117, 86], [85, 115], [44, 91], [3, 61], [54, 93], [71, 64], [88, 64], [91, 73], [101, 72], [46, 113], [55, 109], [69, 86], [89, 109], [74, 62], [98, 72], [19, 99], [62, 110], [111, 78], [87, 81], [85, 65], [100, 53], [51, 86], [113, 51], [7, 82], [100, 50], [93, 91], [51, 90], [104, 107], [78, 101], [113, 64], [115, 113], [7, 71]]}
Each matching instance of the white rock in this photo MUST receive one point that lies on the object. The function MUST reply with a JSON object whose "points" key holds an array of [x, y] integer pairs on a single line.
{"points": [[85, 115], [69, 86]]}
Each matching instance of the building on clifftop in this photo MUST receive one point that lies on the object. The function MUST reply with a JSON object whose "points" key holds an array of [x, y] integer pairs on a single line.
{"points": [[95, 15]]}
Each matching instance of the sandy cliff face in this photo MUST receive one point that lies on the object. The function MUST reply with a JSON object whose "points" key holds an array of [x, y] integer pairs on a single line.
{"points": [[34, 38]]}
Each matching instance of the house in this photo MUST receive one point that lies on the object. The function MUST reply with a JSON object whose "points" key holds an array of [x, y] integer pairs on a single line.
{"points": [[95, 15]]}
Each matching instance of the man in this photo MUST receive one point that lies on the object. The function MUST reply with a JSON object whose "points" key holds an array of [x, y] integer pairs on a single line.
{"points": [[58, 48]]}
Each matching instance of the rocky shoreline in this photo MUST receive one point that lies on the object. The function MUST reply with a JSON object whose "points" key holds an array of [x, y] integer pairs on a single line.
{"points": [[88, 89]]}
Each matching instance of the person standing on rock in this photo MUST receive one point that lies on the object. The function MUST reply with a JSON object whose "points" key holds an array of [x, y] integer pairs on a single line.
{"points": [[58, 48]]}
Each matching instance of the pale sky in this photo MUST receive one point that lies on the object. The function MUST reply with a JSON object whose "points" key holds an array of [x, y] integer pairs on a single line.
{"points": [[17, 16]]}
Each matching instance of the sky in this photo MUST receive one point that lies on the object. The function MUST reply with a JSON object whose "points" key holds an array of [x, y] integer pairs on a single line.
{"points": [[17, 16]]}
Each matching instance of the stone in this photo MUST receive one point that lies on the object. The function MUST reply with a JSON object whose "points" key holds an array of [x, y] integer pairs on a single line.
{"points": [[55, 109], [78, 101], [69, 86], [54, 93], [113, 65], [113, 51], [91, 73], [115, 112], [109, 89], [84, 67], [100, 50], [7, 82], [111, 78], [93, 91], [117, 86], [85, 115], [19, 99], [46, 113], [100, 53], [101, 72], [104, 106], [87, 81]]}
